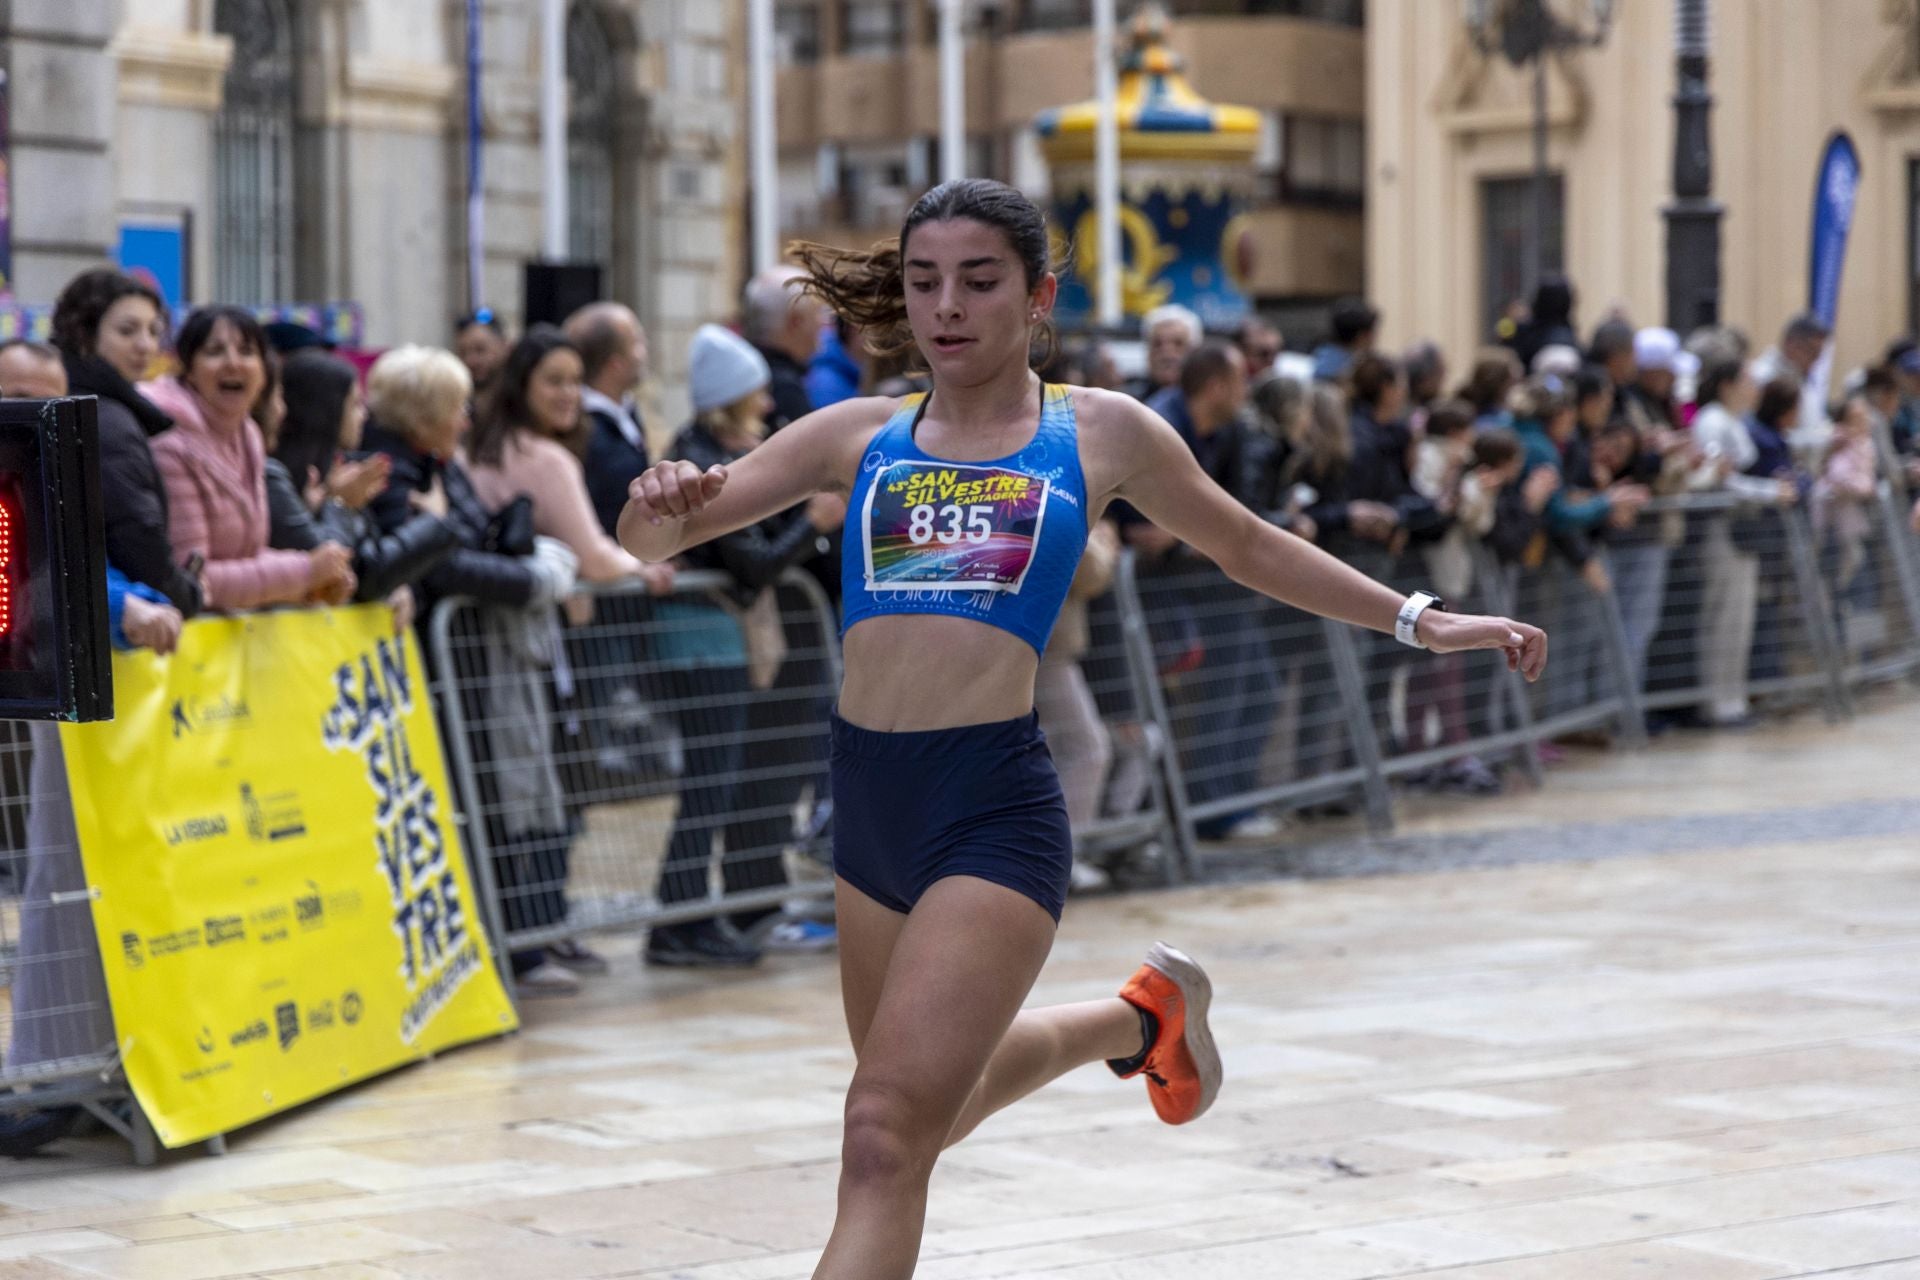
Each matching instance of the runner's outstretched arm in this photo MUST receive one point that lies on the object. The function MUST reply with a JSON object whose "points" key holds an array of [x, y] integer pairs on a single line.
{"points": [[1168, 486]]}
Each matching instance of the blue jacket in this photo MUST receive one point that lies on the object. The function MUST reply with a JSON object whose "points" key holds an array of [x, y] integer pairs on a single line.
{"points": [[1565, 513], [1330, 361], [833, 375], [119, 587]]}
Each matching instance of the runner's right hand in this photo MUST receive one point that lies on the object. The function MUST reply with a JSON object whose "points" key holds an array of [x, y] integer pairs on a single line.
{"points": [[675, 490]]}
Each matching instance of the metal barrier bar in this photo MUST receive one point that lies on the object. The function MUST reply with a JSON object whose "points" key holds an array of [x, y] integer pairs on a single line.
{"points": [[1366, 742], [1817, 610], [1165, 817], [1894, 581], [1510, 687], [1632, 716]]}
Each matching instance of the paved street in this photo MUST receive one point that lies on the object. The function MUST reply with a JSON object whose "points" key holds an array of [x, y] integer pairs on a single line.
{"points": [[1661, 1019]]}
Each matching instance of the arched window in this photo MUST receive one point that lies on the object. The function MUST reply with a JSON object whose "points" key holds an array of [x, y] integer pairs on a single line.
{"points": [[253, 246], [593, 94]]}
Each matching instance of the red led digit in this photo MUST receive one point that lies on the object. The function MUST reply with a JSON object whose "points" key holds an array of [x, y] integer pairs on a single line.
{"points": [[6, 569]]}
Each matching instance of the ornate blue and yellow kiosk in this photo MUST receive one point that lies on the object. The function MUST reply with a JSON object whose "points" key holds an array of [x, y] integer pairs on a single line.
{"points": [[1186, 172]]}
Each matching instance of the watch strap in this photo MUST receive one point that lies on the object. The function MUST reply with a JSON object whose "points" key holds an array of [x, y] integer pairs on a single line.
{"points": [[1406, 626]]}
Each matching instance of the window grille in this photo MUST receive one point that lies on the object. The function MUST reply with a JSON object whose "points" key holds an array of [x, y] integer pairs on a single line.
{"points": [[254, 154]]}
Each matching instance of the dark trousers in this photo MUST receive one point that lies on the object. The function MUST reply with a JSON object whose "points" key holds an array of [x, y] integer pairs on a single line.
{"points": [[724, 788]]}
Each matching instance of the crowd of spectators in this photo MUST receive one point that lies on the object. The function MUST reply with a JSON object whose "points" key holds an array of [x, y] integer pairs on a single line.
{"points": [[246, 467], [1568, 458]]}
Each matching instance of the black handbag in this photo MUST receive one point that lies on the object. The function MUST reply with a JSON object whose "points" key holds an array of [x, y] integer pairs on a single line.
{"points": [[510, 532]]}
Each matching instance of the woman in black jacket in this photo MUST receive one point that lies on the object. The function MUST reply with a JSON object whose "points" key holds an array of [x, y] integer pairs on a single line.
{"points": [[713, 658], [109, 327], [417, 398], [317, 493], [418, 401]]}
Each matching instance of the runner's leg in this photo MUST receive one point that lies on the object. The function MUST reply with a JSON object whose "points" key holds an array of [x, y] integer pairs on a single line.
{"points": [[942, 1011]]}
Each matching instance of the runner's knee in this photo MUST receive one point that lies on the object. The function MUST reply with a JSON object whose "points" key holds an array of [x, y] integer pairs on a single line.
{"points": [[886, 1143]]}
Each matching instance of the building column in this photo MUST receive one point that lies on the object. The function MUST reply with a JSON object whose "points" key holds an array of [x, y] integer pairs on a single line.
{"points": [[688, 218], [375, 139], [171, 82], [61, 82]]}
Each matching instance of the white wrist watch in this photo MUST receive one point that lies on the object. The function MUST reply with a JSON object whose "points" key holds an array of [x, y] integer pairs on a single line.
{"points": [[1406, 627]]}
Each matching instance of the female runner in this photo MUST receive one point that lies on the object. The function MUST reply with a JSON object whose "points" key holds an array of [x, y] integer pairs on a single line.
{"points": [[968, 509]]}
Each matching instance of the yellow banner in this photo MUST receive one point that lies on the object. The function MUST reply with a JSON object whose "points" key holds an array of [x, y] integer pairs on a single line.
{"points": [[282, 904]]}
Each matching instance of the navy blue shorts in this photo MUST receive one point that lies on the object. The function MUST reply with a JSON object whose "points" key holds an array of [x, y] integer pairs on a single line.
{"points": [[980, 800]]}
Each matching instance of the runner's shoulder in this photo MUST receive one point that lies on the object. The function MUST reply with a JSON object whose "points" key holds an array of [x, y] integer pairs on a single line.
{"points": [[850, 418], [844, 431], [1113, 417]]}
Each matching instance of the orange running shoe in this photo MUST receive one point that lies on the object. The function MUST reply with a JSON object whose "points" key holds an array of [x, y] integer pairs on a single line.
{"points": [[1181, 1064]]}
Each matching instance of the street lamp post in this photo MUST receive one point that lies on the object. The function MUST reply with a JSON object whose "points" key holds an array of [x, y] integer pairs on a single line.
{"points": [[1693, 218], [1526, 32], [953, 90], [1106, 168], [762, 135]]}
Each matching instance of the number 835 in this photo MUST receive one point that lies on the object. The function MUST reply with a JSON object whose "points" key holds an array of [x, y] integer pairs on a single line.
{"points": [[973, 524]]}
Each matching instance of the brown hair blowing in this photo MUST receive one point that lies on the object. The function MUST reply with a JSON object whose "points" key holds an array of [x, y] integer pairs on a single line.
{"points": [[868, 287]]}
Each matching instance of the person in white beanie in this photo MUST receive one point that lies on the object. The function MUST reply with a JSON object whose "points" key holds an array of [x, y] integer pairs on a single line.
{"points": [[1557, 359], [715, 661]]}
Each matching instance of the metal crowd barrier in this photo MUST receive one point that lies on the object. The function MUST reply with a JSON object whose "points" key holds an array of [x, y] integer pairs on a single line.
{"points": [[1142, 827], [607, 772], [1710, 604], [641, 776], [55, 1023], [1875, 587], [1745, 614], [1257, 697]]}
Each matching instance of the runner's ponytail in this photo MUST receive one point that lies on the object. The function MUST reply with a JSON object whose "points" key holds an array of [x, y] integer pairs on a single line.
{"points": [[866, 288]]}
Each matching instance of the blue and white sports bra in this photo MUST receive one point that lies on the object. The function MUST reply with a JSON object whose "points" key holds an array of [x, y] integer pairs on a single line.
{"points": [[997, 542]]}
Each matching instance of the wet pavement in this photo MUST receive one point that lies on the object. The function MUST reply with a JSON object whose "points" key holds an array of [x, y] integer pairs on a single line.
{"points": [[1660, 1018]]}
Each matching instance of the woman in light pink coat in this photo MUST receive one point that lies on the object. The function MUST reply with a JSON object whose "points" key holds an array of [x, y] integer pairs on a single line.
{"points": [[213, 464], [515, 448]]}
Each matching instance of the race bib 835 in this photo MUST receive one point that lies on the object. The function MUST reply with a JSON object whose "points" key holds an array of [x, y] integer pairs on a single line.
{"points": [[943, 526]]}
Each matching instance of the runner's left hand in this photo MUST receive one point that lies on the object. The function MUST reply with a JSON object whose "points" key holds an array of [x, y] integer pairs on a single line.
{"points": [[1525, 647]]}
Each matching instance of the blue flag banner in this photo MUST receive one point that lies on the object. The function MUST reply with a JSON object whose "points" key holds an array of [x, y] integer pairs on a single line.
{"points": [[476, 149], [1833, 201]]}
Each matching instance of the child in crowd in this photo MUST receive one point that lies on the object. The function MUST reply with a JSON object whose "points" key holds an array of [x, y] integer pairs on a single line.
{"points": [[1445, 471], [1841, 496]]}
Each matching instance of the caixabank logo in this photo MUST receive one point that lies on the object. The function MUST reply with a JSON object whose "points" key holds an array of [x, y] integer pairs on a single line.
{"points": [[197, 715]]}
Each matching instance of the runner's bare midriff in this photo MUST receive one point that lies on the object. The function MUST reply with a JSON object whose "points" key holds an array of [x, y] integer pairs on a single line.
{"points": [[909, 672]]}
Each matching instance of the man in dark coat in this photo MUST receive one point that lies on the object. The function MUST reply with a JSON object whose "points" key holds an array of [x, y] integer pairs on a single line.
{"points": [[785, 325], [613, 355]]}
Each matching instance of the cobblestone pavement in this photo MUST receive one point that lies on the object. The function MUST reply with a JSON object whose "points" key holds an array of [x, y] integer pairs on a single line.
{"points": [[1659, 1019]]}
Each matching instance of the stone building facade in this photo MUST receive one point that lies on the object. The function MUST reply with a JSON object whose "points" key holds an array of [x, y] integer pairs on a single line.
{"points": [[316, 150], [859, 113], [1449, 150]]}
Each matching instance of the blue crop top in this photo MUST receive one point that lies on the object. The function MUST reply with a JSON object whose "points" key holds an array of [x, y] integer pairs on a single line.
{"points": [[995, 541]]}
